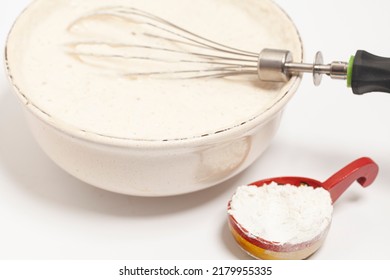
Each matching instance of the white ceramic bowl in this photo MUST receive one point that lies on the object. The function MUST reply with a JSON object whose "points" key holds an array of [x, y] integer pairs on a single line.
{"points": [[160, 167]]}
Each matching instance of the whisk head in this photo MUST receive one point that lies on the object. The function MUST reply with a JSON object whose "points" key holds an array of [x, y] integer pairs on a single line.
{"points": [[154, 47]]}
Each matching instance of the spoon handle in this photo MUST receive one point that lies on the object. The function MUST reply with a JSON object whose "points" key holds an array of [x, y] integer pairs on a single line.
{"points": [[363, 170]]}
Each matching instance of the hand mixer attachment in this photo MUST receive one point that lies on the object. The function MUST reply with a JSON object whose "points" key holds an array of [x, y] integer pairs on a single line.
{"points": [[165, 46], [166, 50]]}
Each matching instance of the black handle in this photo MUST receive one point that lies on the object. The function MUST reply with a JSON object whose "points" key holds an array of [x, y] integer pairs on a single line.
{"points": [[370, 73]]}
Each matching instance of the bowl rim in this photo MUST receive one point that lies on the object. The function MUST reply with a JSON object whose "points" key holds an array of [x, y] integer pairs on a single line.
{"points": [[228, 133]]}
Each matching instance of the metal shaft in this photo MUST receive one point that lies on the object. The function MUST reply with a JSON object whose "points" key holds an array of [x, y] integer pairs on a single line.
{"points": [[277, 66]]}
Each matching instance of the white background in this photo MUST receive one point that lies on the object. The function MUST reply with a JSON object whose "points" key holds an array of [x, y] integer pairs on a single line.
{"points": [[47, 214]]}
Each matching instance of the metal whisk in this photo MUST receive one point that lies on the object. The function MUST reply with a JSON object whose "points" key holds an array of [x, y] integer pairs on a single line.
{"points": [[206, 58], [178, 53]]}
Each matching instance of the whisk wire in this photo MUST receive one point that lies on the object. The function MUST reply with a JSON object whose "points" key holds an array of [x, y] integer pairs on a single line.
{"points": [[218, 60], [168, 23]]}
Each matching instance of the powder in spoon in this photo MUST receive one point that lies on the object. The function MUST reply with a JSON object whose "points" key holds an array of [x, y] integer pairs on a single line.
{"points": [[282, 213]]}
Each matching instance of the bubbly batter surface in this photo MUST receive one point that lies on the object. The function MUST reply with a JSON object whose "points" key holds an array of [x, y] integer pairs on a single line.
{"points": [[52, 59]]}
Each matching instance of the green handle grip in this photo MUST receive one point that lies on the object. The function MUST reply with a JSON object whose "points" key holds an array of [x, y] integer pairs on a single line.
{"points": [[369, 73]]}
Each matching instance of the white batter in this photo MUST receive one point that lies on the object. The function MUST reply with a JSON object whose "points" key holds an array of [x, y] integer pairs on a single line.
{"points": [[95, 95]]}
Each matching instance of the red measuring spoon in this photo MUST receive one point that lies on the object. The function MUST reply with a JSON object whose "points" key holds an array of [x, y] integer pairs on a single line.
{"points": [[363, 170]]}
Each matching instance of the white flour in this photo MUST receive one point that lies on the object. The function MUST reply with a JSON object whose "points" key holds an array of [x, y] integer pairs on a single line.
{"points": [[282, 213]]}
